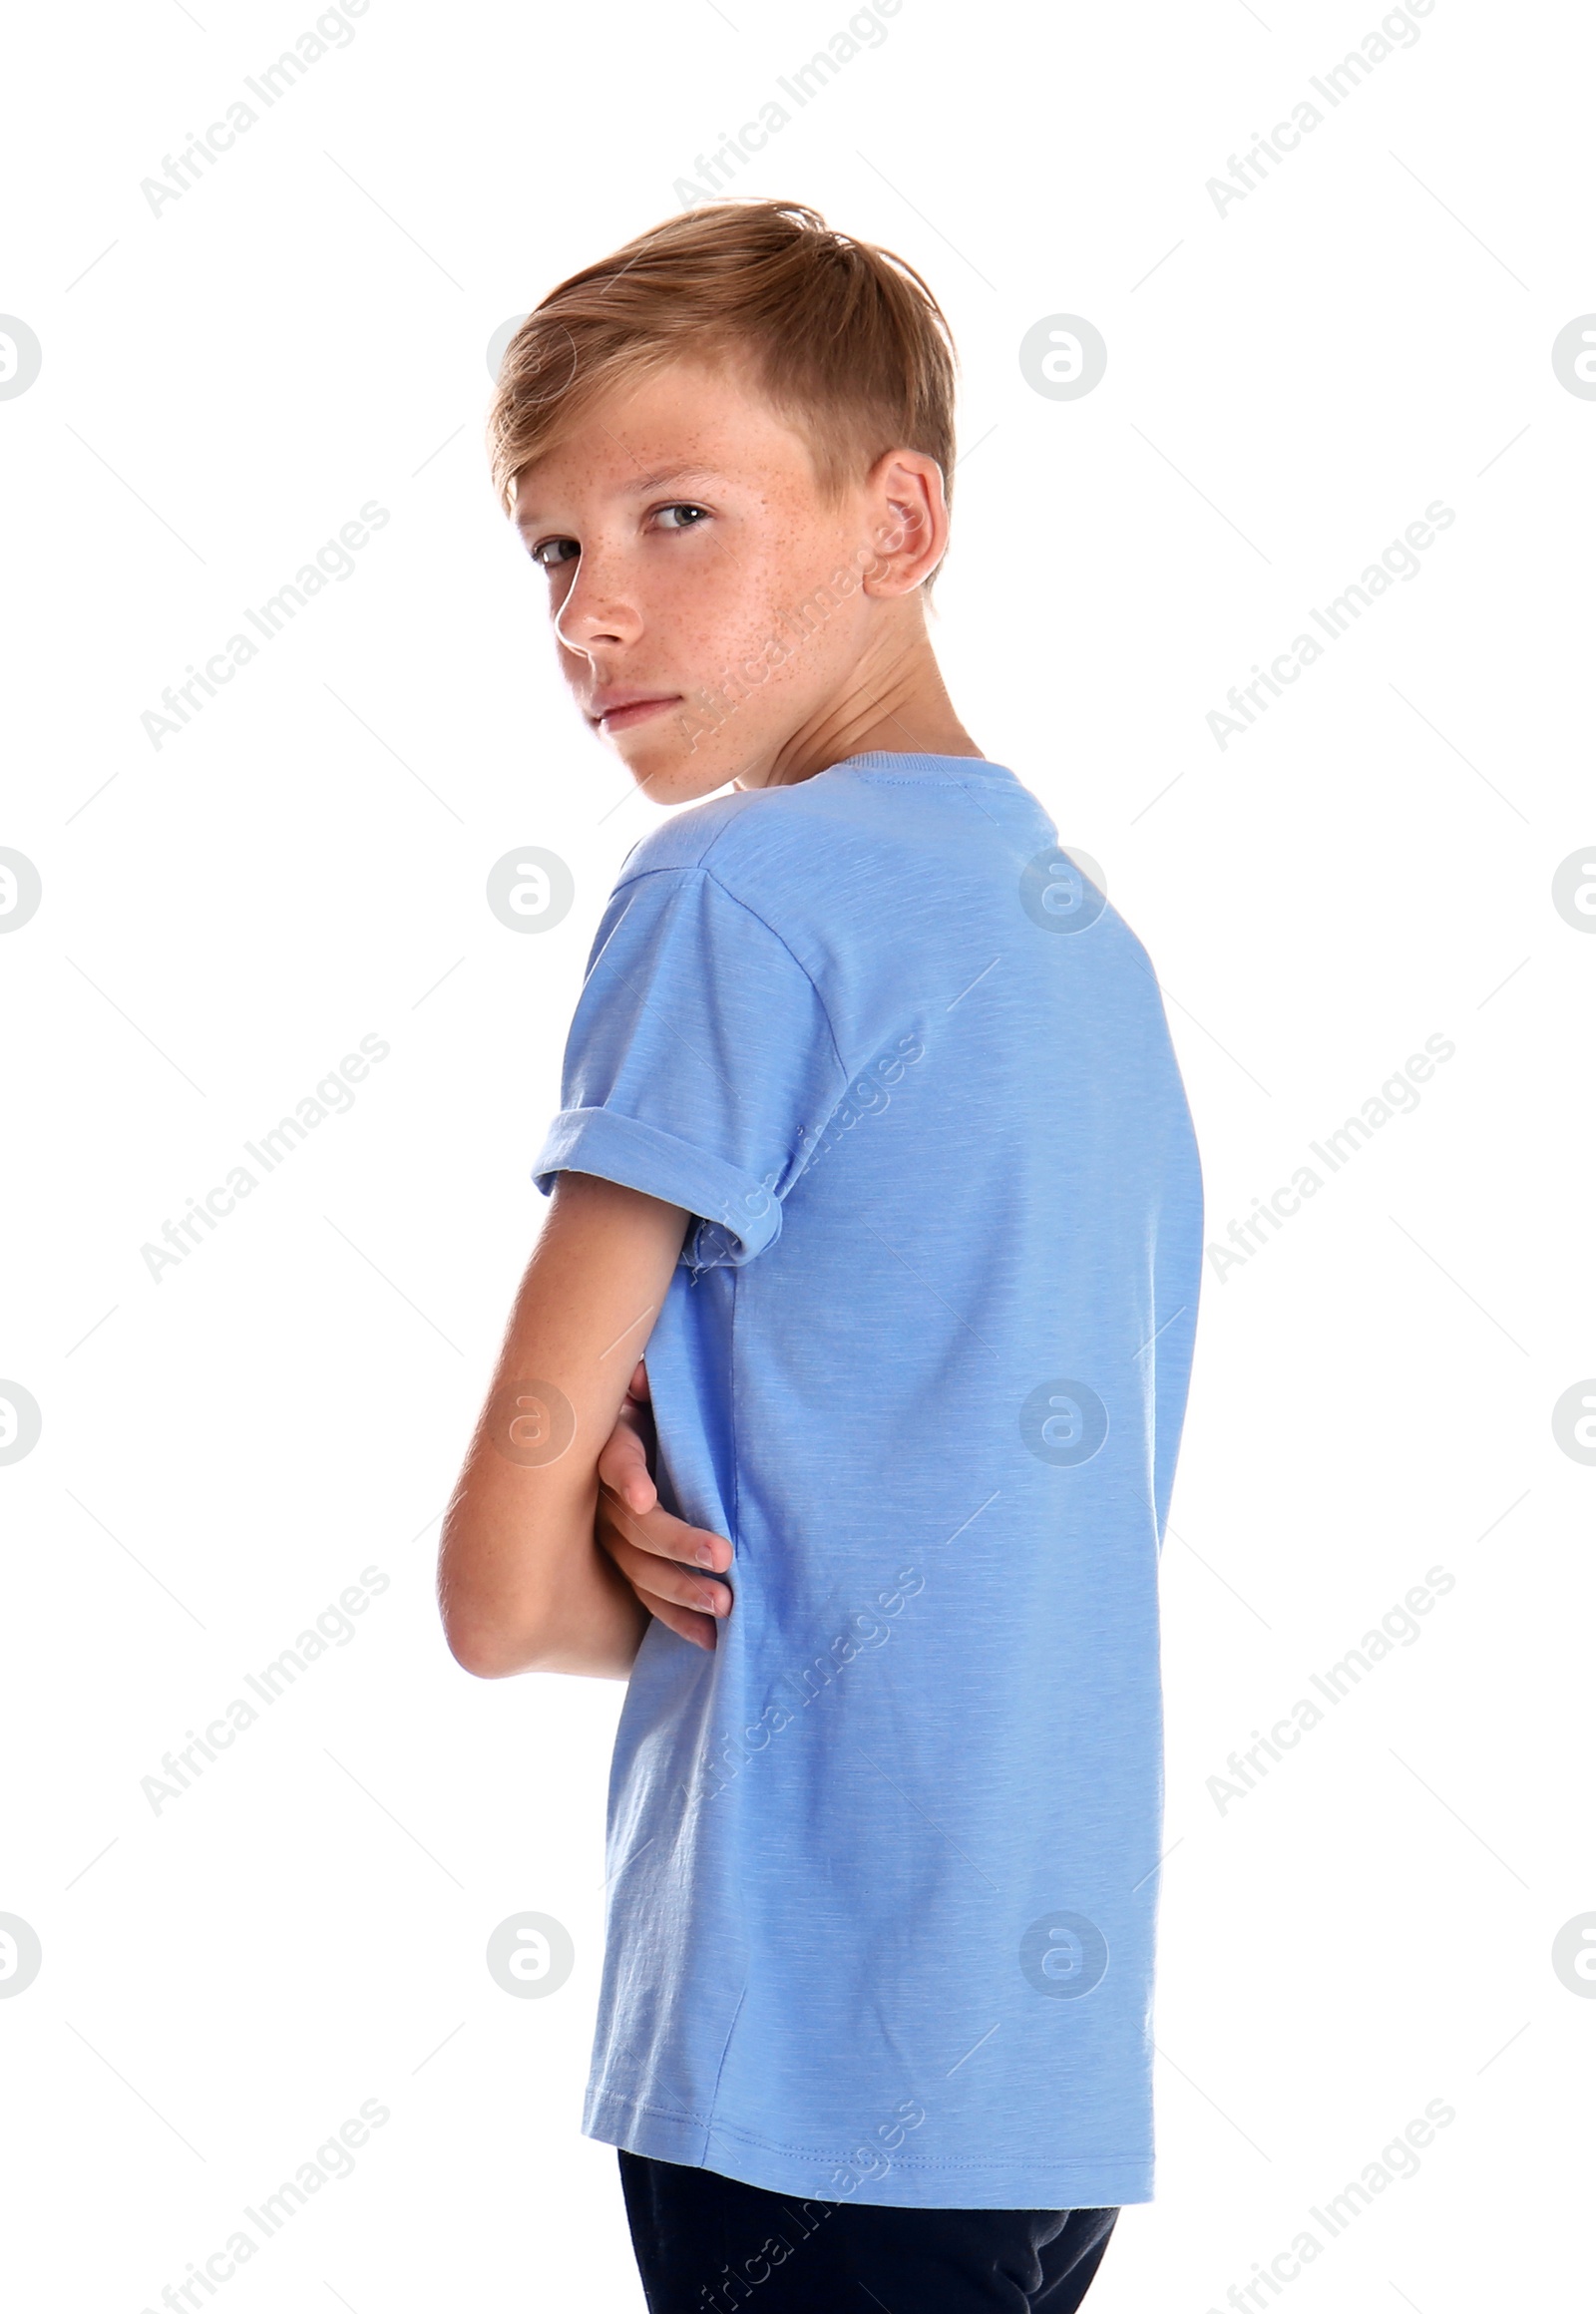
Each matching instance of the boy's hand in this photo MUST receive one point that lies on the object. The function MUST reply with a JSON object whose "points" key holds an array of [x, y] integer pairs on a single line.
{"points": [[658, 1554]]}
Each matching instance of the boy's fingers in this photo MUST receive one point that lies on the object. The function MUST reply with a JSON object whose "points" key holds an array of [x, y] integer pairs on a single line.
{"points": [[661, 1531], [699, 1629], [623, 1466], [654, 1578]]}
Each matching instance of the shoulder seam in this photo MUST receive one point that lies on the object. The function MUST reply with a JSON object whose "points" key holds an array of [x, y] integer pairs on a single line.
{"points": [[706, 847], [683, 867]]}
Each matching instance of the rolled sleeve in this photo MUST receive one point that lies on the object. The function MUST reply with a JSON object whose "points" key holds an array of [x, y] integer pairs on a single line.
{"points": [[700, 1066], [641, 1156]]}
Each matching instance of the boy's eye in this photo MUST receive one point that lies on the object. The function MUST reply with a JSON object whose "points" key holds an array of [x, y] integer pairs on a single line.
{"points": [[550, 553]]}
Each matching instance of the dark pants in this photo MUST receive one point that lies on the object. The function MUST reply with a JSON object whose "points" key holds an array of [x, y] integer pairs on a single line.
{"points": [[707, 2244]]}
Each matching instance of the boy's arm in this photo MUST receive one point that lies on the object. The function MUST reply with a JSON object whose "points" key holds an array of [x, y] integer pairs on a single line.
{"points": [[522, 1583]]}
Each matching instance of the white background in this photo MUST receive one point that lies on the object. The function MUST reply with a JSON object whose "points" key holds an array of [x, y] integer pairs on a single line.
{"points": [[1289, 385]]}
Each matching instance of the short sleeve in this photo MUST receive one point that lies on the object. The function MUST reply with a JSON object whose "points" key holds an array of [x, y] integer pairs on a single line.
{"points": [[700, 1065]]}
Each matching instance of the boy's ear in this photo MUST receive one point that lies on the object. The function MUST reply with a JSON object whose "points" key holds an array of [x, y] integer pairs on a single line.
{"points": [[908, 521]]}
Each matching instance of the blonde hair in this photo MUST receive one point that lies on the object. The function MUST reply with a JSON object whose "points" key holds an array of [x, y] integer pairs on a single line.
{"points": [[845, 341]]}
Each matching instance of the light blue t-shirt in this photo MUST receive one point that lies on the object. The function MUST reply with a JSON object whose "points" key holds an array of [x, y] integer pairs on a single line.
{"points": [[884, 1866]]}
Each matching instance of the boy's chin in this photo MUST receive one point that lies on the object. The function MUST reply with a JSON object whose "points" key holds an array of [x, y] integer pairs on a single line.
{"points": [[671, 769]]}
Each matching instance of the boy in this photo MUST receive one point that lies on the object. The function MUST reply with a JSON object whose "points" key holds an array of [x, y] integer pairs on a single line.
{"points": [[873, 1137]]}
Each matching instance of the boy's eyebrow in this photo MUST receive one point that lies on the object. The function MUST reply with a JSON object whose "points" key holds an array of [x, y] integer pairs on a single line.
{"points": [[679, 473], [639, 485]]}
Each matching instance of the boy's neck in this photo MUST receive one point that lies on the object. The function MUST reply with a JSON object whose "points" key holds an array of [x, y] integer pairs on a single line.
{"points": [[905, 710]]}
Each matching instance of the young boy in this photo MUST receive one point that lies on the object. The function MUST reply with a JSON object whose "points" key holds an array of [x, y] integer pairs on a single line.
{"points": [[874, 1139]]}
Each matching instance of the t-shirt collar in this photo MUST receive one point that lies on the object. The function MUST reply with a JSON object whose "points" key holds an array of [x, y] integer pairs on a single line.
{"points": [[911, 764]]}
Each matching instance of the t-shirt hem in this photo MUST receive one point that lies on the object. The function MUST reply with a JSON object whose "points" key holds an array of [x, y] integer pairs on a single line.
{"points": [[1107, 2182]]}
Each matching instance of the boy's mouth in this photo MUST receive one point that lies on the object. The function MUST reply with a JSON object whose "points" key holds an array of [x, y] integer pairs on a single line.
{"points": [[618, 710]]}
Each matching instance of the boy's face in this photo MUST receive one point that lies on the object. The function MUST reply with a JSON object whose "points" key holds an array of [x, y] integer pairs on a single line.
{"points": [[695, 572]]}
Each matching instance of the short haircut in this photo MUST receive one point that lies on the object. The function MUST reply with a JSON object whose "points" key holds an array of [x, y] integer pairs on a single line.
{"points": [[843, 339]]}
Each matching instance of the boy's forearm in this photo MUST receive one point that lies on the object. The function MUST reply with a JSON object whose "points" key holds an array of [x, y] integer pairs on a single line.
{"points": [[598, 1622], [589, 1621], [523, 1583]]}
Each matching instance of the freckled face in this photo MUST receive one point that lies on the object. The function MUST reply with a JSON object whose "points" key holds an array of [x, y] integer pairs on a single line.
{"points": [[683, 531]]}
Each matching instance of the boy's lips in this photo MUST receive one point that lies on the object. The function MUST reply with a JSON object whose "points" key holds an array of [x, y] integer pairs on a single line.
{"points": [[616, 710]]}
